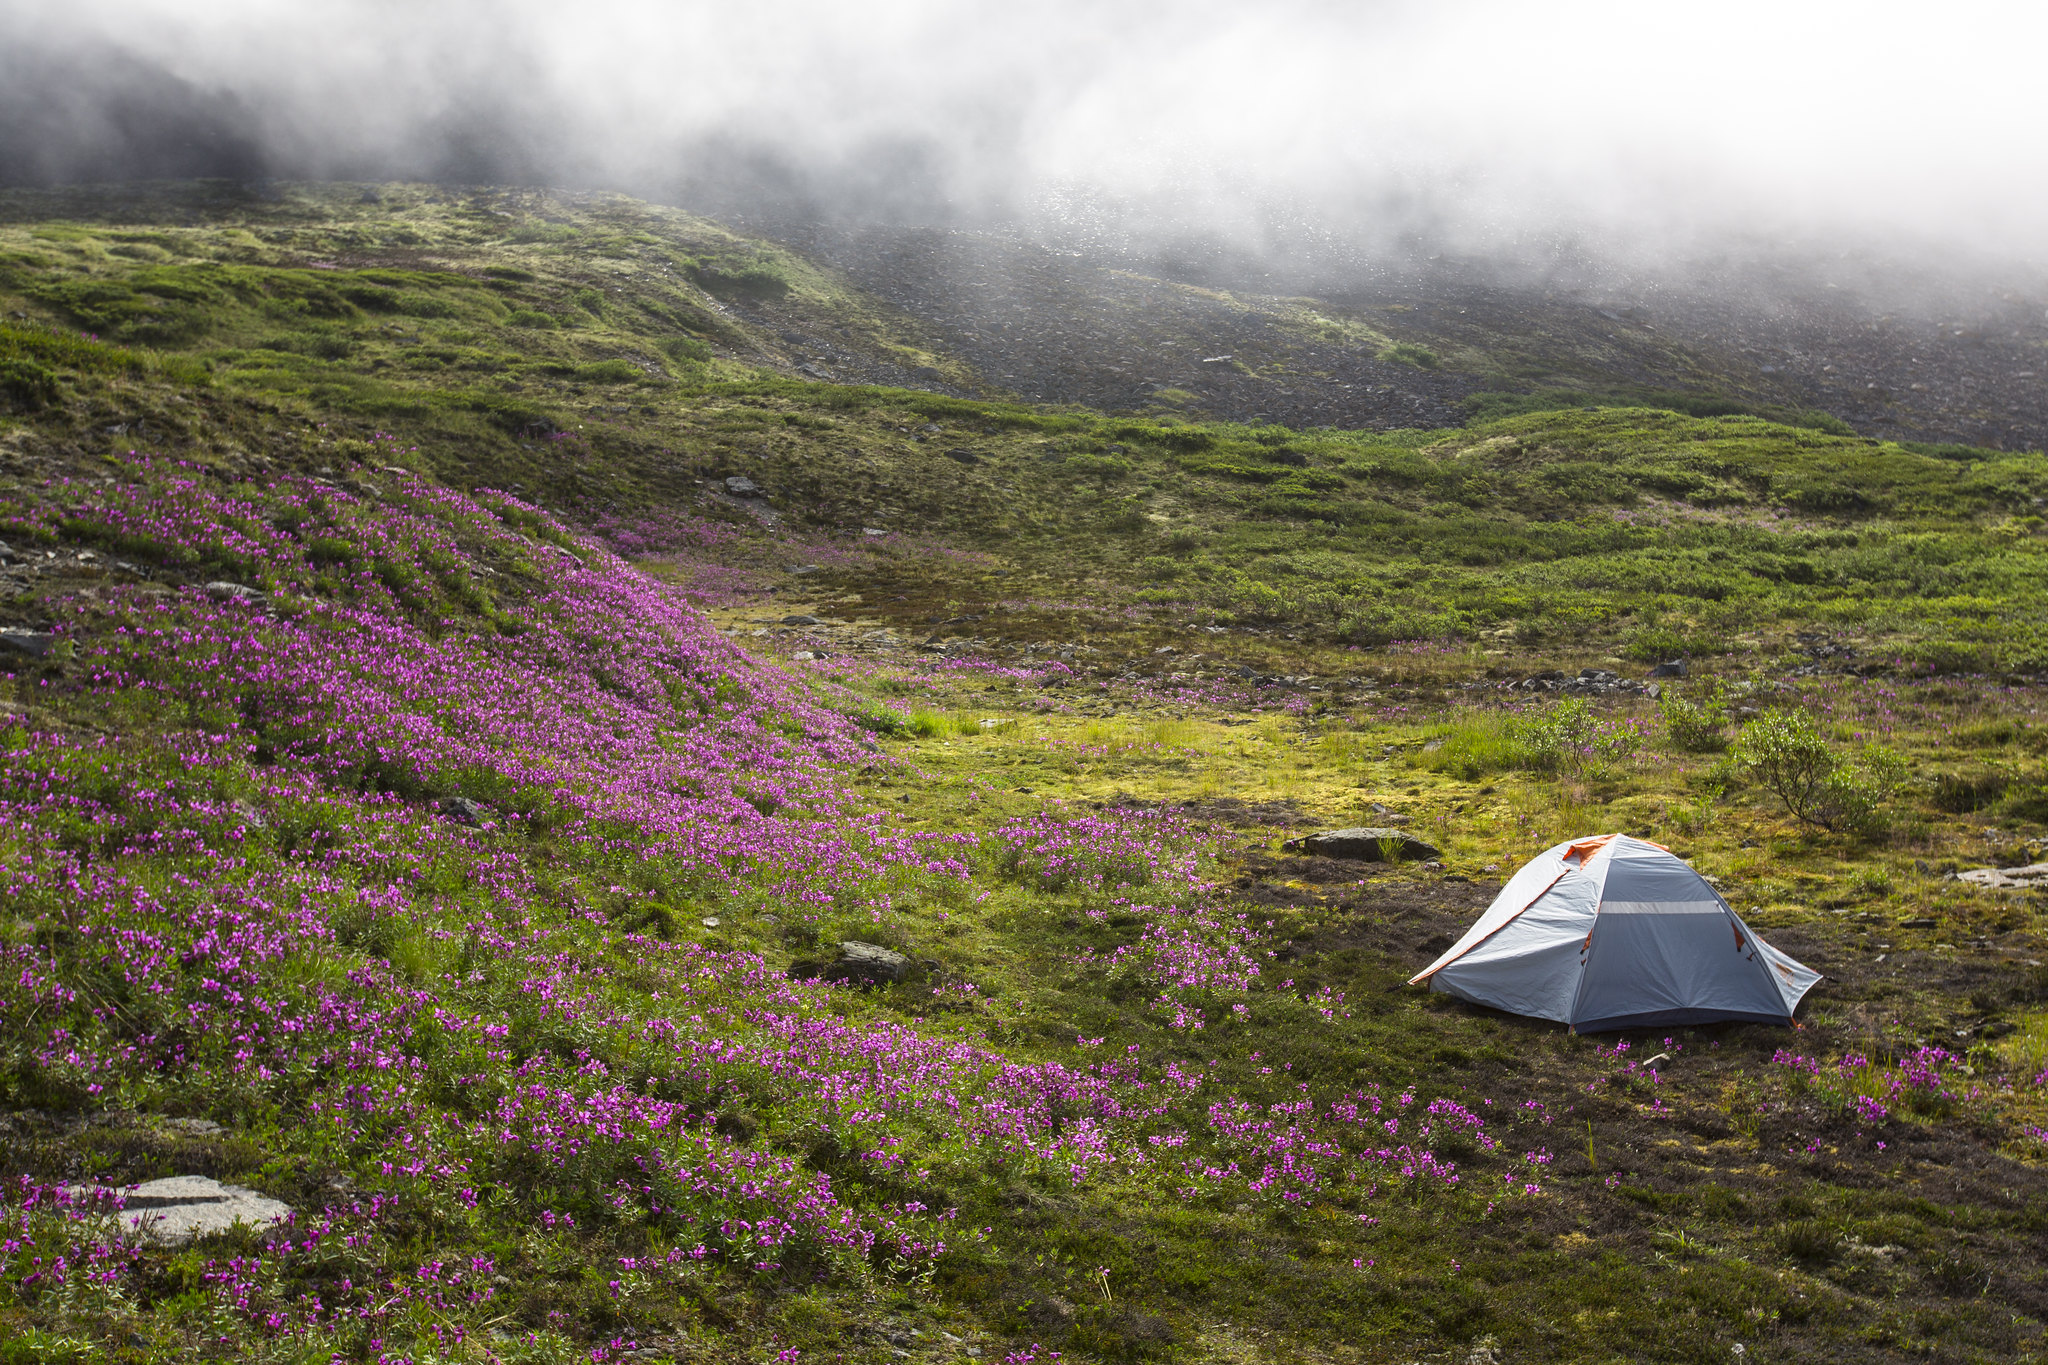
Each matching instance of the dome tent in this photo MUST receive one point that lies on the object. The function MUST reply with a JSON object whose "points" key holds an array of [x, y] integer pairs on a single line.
{"points": [[1615, 932]]}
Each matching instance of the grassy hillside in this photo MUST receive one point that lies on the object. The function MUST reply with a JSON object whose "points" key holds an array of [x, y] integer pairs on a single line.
{"points": [[433, 797]]}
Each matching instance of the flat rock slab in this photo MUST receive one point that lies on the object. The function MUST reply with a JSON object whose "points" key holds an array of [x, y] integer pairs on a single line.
{"points": [[1365, 845], [2033, 877], [179, 1208]]}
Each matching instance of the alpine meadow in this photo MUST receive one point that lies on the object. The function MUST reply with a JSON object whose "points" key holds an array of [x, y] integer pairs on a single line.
{"points": [[584, 783]]}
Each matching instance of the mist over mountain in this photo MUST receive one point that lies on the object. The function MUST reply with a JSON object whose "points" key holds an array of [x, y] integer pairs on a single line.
{"points": [[1303, 130]]}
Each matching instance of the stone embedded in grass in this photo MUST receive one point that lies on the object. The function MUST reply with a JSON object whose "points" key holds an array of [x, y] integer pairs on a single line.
{"points": [[223, 591], [34, 643], [868, 964], [742, 487], [181, 1207], [799, 620], [2034, 876], [463, 811], [1366, 845], [195, 1127]]}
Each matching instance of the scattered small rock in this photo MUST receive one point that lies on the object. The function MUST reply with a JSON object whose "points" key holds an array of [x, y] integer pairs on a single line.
{"points": [[1594, 681], [462, 811], [1365, 845]]}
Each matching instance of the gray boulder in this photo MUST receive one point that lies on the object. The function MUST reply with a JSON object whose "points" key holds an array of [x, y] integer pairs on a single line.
{"points": [[742, 487], [799, 619], [36, 644], [868, 964], [1670, 668], [232, 592], [1366, 845], [180, 1207], [463, 811]]}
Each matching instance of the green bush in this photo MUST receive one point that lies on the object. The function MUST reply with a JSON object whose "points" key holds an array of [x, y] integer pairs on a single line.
{"points": [[27, 384], [759, 281], [686, 349], [1785, 752], [1695, 727], [1565, 737], [532, 317], [1407, 353], [612, 372], [1098, 466], [416, 303], [1656, 643]]}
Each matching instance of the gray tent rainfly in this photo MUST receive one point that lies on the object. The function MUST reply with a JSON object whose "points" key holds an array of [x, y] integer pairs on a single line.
{"points": [[1615, 932]]}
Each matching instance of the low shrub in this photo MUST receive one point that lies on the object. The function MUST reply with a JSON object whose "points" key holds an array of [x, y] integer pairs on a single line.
{"points": [[611, 372], [1565, 737], [1655, 644], [26, 384], [1407, 353], [1695, 727], [1785, 752]]}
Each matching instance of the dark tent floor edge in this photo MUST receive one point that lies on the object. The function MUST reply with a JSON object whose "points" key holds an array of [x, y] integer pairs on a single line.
{"points": [[1677, 1018]]}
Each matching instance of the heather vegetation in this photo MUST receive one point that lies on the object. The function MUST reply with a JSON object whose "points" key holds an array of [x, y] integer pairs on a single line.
{"points": [[432, 795]]}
